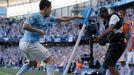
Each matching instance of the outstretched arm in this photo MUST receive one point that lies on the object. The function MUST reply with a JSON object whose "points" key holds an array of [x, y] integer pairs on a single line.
{"points": [[68, 18]]}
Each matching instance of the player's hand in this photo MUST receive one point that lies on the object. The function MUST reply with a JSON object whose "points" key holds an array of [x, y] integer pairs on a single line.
{"points": [[41, 32], [79, 17]]}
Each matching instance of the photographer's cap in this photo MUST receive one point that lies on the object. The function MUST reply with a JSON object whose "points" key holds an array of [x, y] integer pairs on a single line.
{"points": [[102, 10]]}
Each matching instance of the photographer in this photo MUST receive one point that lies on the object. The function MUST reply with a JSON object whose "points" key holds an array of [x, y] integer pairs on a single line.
{"points": [[113, 23]]}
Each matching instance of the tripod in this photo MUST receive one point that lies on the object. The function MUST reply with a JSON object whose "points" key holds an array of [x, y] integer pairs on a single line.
{"points": [[92, 63]]}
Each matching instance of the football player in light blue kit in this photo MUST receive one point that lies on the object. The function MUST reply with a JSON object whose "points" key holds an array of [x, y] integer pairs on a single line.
{"points": [[29, 43]]}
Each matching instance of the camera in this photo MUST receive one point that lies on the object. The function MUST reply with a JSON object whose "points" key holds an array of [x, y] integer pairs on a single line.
{"points": [[92, 27]]}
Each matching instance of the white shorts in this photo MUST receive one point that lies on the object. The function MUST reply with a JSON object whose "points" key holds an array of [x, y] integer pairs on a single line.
{"points": [[130, 57], [34, 51]]}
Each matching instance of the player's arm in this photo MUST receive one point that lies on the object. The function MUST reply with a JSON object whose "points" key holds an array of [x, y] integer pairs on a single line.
{"points": [[29, 27], [67, 18]]}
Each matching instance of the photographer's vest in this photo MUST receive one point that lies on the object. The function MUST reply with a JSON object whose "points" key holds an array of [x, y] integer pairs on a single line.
{"points": [[117, 35], [118, 24]]}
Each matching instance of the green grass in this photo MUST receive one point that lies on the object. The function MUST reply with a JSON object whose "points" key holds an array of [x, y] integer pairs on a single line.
{"points": [[10, 71], [3, 73]]}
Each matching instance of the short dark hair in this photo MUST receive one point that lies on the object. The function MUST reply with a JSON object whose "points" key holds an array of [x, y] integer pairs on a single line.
{"points": [[44, 3], [102, 10]]}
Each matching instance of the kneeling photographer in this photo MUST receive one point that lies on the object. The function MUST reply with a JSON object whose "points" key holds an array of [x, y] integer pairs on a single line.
{"points": [[115, 38]]}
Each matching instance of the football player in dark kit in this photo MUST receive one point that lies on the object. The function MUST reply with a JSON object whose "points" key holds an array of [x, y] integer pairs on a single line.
{"points": [[115, 36]]}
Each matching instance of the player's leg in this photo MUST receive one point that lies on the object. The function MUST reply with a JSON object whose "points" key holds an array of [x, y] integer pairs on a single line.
{"points": [[26, 67], [130, 63], [24, 47], [133, 68], [23, 69], [123, 70], [123, 63], [42, 54], [130, 69], [50, 66], [107, 72]]}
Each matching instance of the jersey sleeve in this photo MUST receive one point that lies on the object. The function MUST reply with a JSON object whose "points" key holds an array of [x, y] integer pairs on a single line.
{"points": [[31, 20], [53, 19]]}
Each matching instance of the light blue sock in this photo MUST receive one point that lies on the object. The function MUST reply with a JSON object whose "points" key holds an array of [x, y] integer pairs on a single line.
{"points": [[50, 69], [108, 72], [130, 71], [122, 71], [23, 69]]}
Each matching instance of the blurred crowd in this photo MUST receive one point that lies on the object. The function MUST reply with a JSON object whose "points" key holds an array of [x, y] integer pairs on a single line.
{"points": [[11, 27], [106, 2], [60, 32], [12, 55], [10, 30]]}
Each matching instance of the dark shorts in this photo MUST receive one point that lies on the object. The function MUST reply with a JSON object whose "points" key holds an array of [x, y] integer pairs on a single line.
{"points": [[113, 54]]}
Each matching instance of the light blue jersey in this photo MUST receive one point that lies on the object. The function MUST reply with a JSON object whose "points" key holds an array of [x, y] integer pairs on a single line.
{"points": [[37, 21]]}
